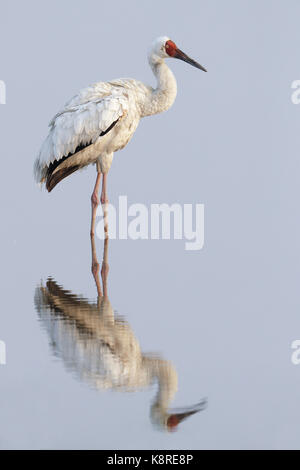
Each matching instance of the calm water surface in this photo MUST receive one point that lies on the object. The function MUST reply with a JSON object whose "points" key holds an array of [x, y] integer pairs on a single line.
{"points": [[148, 355]]}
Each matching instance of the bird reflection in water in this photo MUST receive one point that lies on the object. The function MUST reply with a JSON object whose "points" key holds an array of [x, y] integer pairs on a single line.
{"points": [[100, 348]]}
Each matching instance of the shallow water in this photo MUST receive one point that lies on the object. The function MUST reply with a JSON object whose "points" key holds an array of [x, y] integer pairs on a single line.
{"points": [[88, 369], [99, 347]]}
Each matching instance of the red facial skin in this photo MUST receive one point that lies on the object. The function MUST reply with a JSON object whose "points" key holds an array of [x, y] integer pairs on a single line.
{"points": [[170, 47]]}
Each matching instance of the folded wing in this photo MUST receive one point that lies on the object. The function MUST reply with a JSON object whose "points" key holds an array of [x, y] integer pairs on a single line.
{"points": [[78, 126]]}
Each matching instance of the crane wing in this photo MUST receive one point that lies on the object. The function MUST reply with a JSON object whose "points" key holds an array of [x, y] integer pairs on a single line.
{"points": [[78, 126]]}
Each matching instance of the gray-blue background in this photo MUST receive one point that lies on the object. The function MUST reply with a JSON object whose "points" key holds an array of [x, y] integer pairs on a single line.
{"points": [[226, 315]]}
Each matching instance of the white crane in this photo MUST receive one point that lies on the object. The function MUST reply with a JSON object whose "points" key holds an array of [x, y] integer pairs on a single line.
{"points": [[102, 118]]}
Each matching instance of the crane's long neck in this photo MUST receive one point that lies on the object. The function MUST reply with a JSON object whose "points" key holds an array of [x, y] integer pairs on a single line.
{"points": [[166, 376], [164, 95]]}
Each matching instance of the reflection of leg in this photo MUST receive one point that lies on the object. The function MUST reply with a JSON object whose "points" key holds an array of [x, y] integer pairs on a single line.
{"points": [[104, 199], [105, 265], [95, 202], [95, 266], [95, 263]]}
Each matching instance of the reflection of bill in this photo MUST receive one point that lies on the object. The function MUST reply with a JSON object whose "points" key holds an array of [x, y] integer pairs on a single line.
{"points": [[2, 92], [100, 348], [295, 358], [2, 353]]}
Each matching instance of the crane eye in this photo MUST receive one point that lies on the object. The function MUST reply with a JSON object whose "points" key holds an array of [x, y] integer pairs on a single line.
{"points": [[167, 45]]}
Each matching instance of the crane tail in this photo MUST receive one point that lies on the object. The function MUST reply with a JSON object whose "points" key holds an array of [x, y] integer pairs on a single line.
{"points": [[54, 178]]}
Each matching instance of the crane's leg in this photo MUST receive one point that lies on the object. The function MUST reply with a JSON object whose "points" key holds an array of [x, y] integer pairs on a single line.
{"points": [[95, 198], [104, 199], [95, 202]]}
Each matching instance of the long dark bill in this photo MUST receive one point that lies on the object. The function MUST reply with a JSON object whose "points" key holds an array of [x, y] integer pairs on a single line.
{"points": [[182, 56]]}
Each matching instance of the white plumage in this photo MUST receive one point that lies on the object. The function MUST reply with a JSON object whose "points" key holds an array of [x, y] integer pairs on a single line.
{"points": [[102, 118], [82, 121]]}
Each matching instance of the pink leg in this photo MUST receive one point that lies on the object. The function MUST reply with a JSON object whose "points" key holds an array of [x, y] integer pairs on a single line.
{"points": [[95, 202], [95, 198], [104, 199]]}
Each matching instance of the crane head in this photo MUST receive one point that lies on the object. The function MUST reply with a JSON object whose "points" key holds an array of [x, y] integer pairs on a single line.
{"points": [[177, 416], [163, 48], [168, 420]]}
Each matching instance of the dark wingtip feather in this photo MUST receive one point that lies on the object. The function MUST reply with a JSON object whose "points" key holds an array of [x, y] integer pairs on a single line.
{"points": [[54, 179]]}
